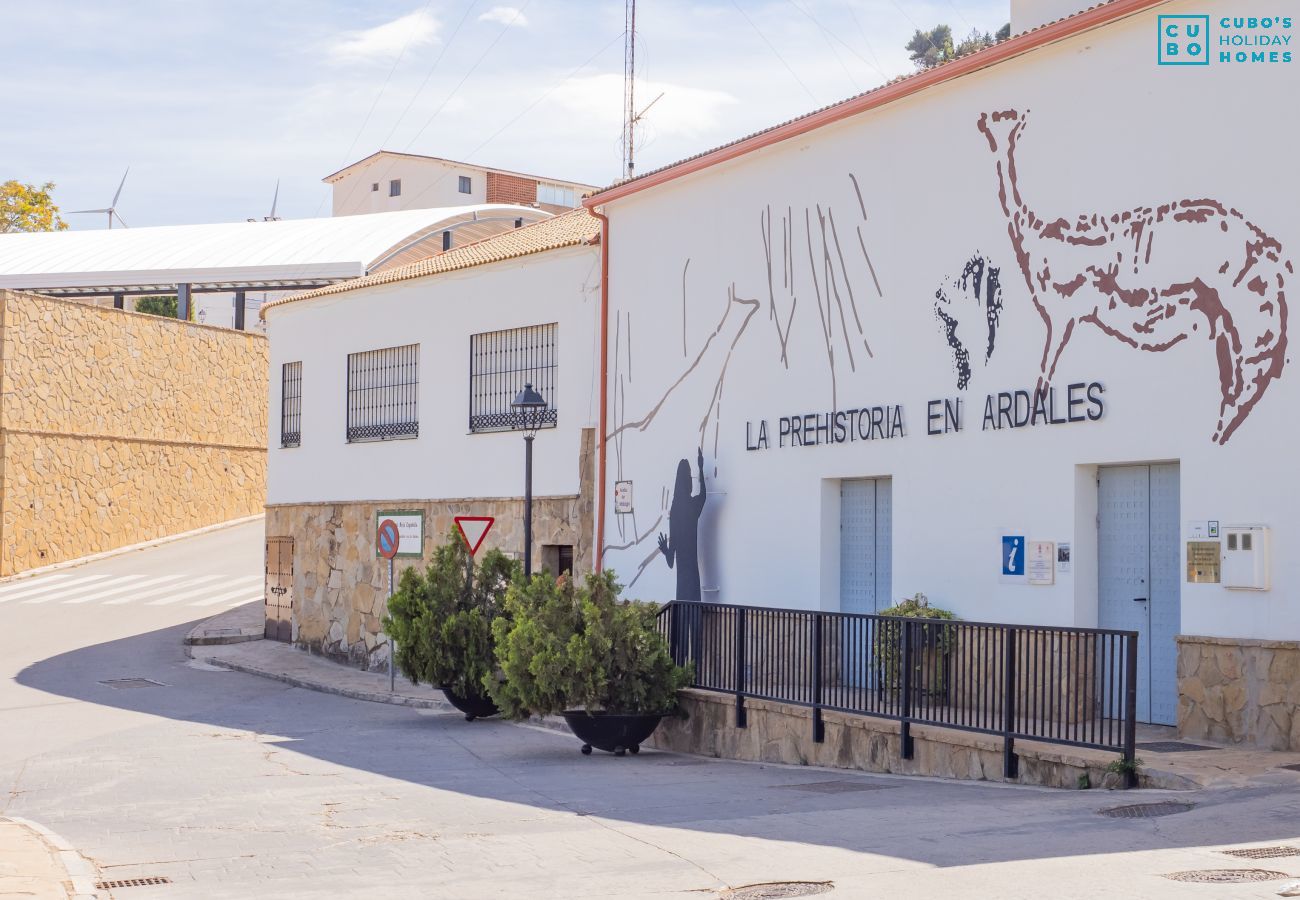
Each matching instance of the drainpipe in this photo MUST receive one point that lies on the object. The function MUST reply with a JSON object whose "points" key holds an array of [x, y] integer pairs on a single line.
{"points": [[604, 383]]}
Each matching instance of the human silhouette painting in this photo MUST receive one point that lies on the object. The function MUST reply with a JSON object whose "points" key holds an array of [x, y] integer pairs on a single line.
{"points": [[681, 546]]}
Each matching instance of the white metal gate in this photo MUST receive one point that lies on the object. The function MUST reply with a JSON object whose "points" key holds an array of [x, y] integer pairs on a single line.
{"points": [[1138, 585], [866, 545]]}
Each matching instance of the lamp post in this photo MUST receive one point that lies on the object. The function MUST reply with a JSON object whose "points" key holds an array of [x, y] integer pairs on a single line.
{"points": [[530, 409]]}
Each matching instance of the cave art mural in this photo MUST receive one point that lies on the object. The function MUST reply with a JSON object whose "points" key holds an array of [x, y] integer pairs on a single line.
{"points": [[680, 547], [819, 275], [1151, 277], [968, 307]]}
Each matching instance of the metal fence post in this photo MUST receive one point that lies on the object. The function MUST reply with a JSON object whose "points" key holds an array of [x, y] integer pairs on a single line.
{"points": [[1130, 710], [741, 720], [674, 640], [697, 633], [905, 678], [819, 729], [1010, 762]]}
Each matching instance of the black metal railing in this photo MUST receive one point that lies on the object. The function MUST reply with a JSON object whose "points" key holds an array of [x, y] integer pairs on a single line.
{"points": [[384, 394], [1075, 686], [500, 362]]}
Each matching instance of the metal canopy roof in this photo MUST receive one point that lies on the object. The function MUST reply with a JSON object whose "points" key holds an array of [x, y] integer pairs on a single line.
{"points": [[284, 255]]}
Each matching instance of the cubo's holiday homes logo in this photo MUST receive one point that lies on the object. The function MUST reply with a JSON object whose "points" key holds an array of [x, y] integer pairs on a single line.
{"points": [[1196, 40], [1184, 41]]}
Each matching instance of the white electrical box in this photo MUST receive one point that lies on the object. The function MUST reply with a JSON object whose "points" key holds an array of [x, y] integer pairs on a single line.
{"points": [[1245, 557]]}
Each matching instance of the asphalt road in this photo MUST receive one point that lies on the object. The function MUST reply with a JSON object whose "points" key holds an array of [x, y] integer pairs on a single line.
{"points": [[233, 786]]}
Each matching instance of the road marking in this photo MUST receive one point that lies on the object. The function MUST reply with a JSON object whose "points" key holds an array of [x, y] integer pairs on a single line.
{"points": [[213, 601], [115, 584], [248, 580], [137, 581], [47, 584], [180, 587], [259, 598], [28, 583]]}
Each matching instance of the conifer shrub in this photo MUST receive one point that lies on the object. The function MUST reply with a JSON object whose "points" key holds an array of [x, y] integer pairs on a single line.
{"points": [[564, 645]]}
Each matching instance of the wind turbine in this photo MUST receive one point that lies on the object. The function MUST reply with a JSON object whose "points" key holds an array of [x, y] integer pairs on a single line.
{"points": [[112, 207], [274, 200]]}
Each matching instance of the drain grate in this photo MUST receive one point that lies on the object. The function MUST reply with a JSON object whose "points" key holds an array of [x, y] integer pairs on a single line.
{"points": [[1147, 810], [123, 684], [132, 882], [779, 890], [1262, 852], [1171, 747], [1226, 876], [834, 787]]}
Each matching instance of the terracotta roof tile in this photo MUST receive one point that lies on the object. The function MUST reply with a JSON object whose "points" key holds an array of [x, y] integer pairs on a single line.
{"points": [[567, 230]]}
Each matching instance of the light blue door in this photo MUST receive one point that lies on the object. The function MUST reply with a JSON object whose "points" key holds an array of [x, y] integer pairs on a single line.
{"points": [[1138, 585], [866, 546]]}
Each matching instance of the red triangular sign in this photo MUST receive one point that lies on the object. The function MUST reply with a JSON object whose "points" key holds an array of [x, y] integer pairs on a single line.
{"points": [[473, 529]]}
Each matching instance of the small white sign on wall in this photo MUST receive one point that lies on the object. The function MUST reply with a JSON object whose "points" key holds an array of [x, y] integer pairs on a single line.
{"points": [[1041, 562], [1064, 559], [622, 497]]}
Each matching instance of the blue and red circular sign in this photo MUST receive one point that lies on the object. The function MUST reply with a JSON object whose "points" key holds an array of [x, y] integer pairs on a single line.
{"points": [[388, 539]]}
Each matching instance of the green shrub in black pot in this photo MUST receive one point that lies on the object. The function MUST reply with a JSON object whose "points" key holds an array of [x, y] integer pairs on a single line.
{"points": [[577, 650], [933, 640], [442, 621]]}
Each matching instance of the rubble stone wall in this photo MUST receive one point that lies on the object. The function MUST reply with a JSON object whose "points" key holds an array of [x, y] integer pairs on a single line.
{"points": [[340, 585], [1239, 691]]}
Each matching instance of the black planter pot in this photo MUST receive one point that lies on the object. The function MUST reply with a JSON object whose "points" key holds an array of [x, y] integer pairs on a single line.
{"points": [[474, 707], [611, 732]]}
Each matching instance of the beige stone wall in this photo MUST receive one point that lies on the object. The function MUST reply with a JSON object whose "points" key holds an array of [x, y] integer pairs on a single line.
{"points": [[1239, 691], [340, 586], [117, 428]]}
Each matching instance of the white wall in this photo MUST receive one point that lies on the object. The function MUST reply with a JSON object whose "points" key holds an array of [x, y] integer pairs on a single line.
{"points": [[1108, 132], [439, 313], [426, 184]]}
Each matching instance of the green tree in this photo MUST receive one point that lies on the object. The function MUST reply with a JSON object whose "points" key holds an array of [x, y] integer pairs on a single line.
{"points": [[931, 48], [26, 207], [157, 306], [935, 47]]}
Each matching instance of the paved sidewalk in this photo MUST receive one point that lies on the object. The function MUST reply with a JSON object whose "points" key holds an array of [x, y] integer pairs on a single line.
{"points": [[235, 626], [1217, 767], [35, 863]]}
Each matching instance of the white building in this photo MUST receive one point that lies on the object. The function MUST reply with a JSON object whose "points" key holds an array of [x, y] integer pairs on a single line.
{"points": [[385, 181], [391, 394], [1030, 302]]}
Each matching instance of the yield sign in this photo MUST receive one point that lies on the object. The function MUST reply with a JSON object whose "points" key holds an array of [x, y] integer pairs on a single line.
{"points": [[473, 529]]}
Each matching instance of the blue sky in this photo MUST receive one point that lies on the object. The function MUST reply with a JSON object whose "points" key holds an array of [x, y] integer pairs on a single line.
{"points": [[210, 102]]}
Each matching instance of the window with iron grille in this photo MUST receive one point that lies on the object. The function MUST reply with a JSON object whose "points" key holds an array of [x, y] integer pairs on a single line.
{"points": [[382, 394], [500, 363], [465, 184], [291, 404]]}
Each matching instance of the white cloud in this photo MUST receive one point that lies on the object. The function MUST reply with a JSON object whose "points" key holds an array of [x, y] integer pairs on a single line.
{"points": [[505, 15], [682, 112], [384, 42]]}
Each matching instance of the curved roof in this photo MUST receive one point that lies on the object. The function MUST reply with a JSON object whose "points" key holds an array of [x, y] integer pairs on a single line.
{"points": [[566, 230], [285, 254]]}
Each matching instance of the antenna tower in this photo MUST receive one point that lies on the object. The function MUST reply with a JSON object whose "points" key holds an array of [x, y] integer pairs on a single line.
{"points": [[629, 77]]}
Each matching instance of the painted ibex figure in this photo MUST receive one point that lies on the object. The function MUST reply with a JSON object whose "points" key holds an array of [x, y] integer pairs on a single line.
{"points": [[1152, 277]]}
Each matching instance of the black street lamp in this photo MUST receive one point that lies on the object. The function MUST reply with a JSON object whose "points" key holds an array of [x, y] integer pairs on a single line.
{"points": [[530, 409]]}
